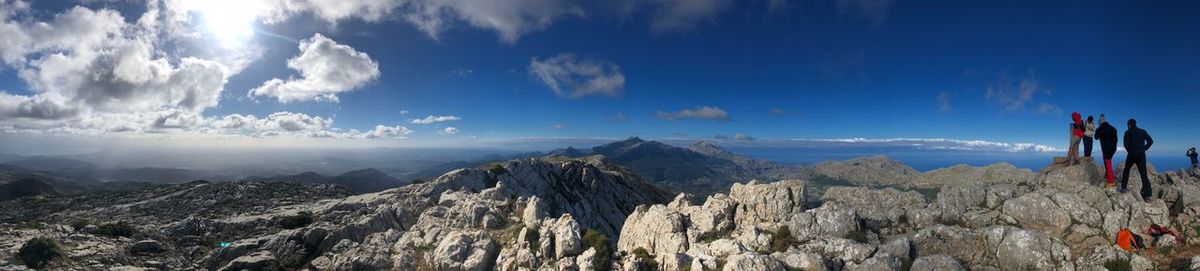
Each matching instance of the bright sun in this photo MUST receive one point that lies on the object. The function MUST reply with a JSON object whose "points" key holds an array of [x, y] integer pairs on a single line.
{"points": [[229, 22]]}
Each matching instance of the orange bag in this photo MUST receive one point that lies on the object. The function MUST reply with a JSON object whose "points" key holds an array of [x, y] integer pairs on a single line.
{"points": [[1125, 239], [1129, 241]]}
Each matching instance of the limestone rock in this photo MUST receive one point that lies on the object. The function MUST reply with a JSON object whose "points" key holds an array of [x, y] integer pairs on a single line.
{"points": [[1036, 211], [466, 251], [937, 262], [752, 262], [767, 203], [566, 237]]}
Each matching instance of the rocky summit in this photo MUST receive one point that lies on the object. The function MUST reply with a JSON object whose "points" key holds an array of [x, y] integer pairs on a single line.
{"points": [[561, 213]]}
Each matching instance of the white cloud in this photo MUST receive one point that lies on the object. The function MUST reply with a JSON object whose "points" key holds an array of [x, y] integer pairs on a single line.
{"points": [[702, 112], [684, 15], [510, 19], [571, 77], [449, 131], [326, 69], [619, 117], [920, 143], [382, 131], [90, 70], [1014, 96], [943, 100], [434, 119]]}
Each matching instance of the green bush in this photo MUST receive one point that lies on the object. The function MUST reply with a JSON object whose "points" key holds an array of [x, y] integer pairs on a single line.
{"points": [[37, 252], [782, 239], [1118, 265], [119, 229], [645, 261], [295, 221], [596, 240]]}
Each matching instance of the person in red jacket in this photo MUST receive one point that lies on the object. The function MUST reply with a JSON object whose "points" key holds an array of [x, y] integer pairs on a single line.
{"points": [[1076, 135]]}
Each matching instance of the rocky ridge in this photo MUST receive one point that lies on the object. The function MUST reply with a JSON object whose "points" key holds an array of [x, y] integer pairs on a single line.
{"points": [[544, 214]]}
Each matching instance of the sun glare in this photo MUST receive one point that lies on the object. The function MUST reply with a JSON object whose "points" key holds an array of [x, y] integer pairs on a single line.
{"points": [[229, 22]]}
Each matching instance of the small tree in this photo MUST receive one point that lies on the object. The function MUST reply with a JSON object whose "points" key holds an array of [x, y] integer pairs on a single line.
{"points": [[37, 252]]}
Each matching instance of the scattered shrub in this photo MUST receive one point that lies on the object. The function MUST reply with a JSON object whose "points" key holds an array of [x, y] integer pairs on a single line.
{"points": [[1118, 265], [596, 240], [782, 239], [295, 221], [119, 229], [78, 224], [37, 252], [417, 181], [645, 261]]}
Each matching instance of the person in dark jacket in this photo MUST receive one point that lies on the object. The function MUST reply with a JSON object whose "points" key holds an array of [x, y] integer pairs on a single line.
{"points": [[1191, 153], [1107, 135], [1137, 142]]}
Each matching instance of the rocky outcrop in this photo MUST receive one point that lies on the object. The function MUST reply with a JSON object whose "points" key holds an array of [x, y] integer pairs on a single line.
{"points": [[997, 218]]}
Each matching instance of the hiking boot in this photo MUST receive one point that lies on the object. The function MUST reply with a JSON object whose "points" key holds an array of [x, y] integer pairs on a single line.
{"points": [[1121, 190], [1148, 201]]}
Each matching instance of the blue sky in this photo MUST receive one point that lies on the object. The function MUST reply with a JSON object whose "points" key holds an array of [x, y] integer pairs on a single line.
{"points": [[1010, 71]]}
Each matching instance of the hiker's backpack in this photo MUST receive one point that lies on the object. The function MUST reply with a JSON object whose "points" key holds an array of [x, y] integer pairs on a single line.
{"points": [[1129, 241]]}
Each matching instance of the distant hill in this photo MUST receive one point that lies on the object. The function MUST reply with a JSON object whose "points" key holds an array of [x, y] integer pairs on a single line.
{"points": [[358, 181], [701, 168], [27, 187], [60, 165], [159, 175]]}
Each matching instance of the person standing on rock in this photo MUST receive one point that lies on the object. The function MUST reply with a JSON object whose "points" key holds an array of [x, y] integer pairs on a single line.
{"points": [[1191, 153], [1089, 130], [1137, 142], [1076, 136], [1107, 135]]}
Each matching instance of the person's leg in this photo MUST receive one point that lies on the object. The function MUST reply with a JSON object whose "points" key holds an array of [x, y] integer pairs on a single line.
{"points": [[1109, 176], [1125, 173], [1087, 147], [1141, 164]]}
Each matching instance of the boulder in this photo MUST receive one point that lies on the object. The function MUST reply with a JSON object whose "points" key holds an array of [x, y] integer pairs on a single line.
{"points": [[656, 228], [1021, 249], [466, 251], [566, 237], [767, 203], [793, 260], [880, 207], [1036, 211]]}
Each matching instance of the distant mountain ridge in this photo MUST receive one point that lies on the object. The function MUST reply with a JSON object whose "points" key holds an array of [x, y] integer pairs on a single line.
{"points": [[359, 181]]}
